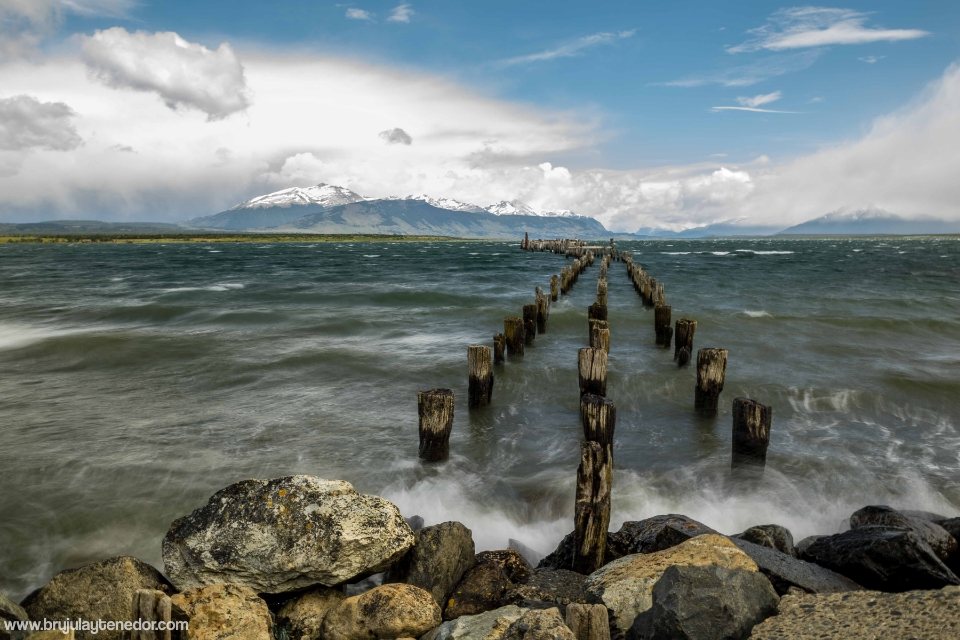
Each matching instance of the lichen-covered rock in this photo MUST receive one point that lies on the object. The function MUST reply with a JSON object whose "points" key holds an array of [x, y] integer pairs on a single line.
{"points": [[99, 591], [772, 536], [285, 534], [786, 572], [224, 612], [547, 588], [388, 611], [539, 624], [882, 558], [625, 586], [939, 539], [302, 617], [865, 615], [706, 603], [489, 625], [484, 586], [437, 562]]}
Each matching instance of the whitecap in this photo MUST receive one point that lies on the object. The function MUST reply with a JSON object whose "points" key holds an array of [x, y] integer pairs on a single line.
{"points": [[371, 255], [675, 253], [765, 253], [757, 314]]}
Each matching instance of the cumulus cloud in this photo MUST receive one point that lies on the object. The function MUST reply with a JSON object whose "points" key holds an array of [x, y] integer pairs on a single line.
{"points": [[572, 48], [396, 136], [801, 27], [359, 14], [184, 74], [25, 23], [401, 13], [27, 123]]}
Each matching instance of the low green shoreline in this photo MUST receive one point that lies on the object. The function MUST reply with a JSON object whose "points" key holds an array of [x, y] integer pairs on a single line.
{"points": [[162, 238]]}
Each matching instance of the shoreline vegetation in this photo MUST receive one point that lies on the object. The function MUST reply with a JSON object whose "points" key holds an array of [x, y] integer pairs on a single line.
{"points": [[202, 238]]}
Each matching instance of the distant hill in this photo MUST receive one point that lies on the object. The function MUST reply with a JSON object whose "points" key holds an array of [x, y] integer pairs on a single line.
{"points": [[87, 227], [717, 230], [870, 222]]}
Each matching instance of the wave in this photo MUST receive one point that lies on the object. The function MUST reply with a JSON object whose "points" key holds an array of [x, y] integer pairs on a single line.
{"points": [[222, 286], [757, 314], [765, 253]]}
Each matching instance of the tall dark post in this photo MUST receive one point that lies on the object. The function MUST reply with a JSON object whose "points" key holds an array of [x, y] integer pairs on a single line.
{"points": [[683, 340], [711, 370], [751, 436], [499, 346], [529, 323], [592, 506], [554, 288], [598, 416], [662, 326], [480, 380], [435, 408], [513, 332], [592, 366]]}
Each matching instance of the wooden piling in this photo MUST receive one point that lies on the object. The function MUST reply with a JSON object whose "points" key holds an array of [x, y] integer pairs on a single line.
{"points": [[554, 288], [592, 367], [662, 326], [683, 339], [602, 292], [711, 370], [153, 606], [499, 345], [600, 335], [529, 323], [597, 311], [513, 331], [435, 408], [543, 310], [480, 382], [598, 416], [588, 621], [751, 435], [592, 506]]}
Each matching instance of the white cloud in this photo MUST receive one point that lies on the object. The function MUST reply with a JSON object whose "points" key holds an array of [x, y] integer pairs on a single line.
{"points": [[752, 73], [571, 49], [183, 74], [871, 59], [401, 13], [26, 23], [27, 123], [801, 27], [748, 109], [359, 14], [396, 136], [759, 100]]}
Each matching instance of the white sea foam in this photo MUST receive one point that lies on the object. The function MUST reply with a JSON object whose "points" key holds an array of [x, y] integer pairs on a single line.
{"points": [[16, 335], [220, 286], [371, 255], [675, 253], [765, 253], [757, 314]]}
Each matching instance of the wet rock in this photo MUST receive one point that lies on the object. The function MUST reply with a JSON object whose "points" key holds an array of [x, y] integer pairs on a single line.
{"points": [[529, 554], [654, 534], [952, 526], [625, 586], [489, 625], [942, 543], [706, 603], [865, 615], [805, 543], [285, 534], [389, 611], [929, 516], [414, 522], [438, 560], [224, 612], [540, 624], [772, 536], [484, 586], [882, 558], [786, 572], [549, 588], [9, 611], [302, 617], [99, 591]]}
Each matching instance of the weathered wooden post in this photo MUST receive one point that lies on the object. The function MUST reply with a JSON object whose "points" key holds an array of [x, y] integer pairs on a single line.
{"points": [[751, 435], [554, 287], [526, 241], [600, 335], [435, 408], [592, 506], [597, 311], [153, 606], [499, 345], [662, 326], [529, 323], [513, 332], [683, 340], [598, 416], [543, 310], [588, 621], [480, 382], [602, 292], [711, 370], [592, 367]]}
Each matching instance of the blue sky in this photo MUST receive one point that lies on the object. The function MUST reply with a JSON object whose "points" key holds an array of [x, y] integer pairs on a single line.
{"points": [[642, 114]]}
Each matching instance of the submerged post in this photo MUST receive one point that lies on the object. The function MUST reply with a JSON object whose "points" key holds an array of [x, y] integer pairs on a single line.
{"points": [[499, 344], [751, 435], [480, 383], [683, 340], [598, 416], [529, 323], [661, 324], [592, 506], [513, 332], [592, 367], [435, 408], [711, 370]]}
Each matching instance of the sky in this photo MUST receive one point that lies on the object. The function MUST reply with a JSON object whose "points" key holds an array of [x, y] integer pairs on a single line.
{"points": [[640, 114]]}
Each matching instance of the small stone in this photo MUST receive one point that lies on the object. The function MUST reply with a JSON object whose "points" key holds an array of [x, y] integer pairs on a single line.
{"points": [[540, 624], [303, 616], [388, 611]]}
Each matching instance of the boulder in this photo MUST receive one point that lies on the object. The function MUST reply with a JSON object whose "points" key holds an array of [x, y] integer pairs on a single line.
{"points": [[805, 543], [654, 534], [224, 612], [706, 603], [99, 591], [484, 586], [952, 526], [882, 558], [388, 611], [548, 588], [303, 616], [489, 625], [9, 611], [285, 534], [625, 586], [539, 624], [939, 539], [786, 572], [865, 615], [415, 523], [529, 554], [438, 560], [772, 536]]}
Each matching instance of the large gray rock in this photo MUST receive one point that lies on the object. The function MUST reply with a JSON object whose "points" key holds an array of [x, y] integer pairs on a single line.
{"points": [[302, 617], [785, 571], [546, 588], [539, 624], [865, 615], [285, 534], [939, 539], [772, 536], [224, 612], [388, 611], [489, 625], [882, 558], [706, 603], [485, 585], [951, 526], [99, 591], [438, 560], [654, 534]]}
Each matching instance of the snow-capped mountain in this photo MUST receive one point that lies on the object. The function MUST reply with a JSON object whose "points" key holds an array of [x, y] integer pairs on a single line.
{"points": [[324, 195], [512, 208], [442, 203]]}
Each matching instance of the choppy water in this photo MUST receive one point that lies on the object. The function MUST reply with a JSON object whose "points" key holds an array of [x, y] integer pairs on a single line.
{"points": [[136, 380]]}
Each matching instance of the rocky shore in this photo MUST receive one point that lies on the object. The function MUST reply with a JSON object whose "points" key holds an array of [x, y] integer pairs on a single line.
{"points": [[303, 558]]}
